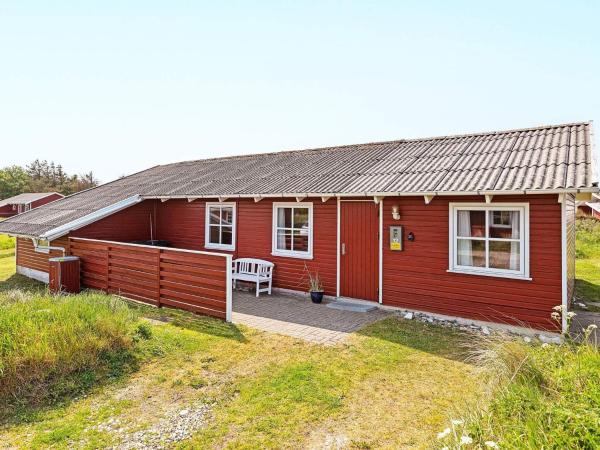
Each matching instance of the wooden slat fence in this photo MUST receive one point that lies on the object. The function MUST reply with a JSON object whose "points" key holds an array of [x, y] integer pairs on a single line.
{"points": [[186, 279]]}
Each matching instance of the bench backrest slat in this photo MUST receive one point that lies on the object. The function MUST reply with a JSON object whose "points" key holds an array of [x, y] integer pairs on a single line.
{"points": [[252, 266]]}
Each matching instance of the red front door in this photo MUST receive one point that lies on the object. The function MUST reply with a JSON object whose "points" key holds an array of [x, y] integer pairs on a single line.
{"points": [[359, 255]]}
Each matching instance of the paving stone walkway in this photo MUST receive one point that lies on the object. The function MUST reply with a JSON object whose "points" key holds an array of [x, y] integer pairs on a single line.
{"points": [[296, 316], [583, 319]]}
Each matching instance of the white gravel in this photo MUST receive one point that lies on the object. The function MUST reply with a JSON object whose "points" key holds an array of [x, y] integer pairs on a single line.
{"points": [[176, 426]]}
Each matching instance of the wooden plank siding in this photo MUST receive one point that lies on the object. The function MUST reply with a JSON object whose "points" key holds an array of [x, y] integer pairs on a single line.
{"points": [[417, 277], [131, 224], [29, 258], [187, 280], [182, 224]]}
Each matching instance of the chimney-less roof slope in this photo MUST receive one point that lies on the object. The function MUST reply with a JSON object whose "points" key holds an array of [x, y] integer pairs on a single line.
{"points": [[553, 158]]}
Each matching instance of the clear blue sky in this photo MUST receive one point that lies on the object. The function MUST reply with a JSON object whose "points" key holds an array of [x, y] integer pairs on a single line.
{"points": [[117, 88]]}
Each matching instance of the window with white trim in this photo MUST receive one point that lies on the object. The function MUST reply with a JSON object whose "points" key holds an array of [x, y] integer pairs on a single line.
{"points": [[490, 240], [292, 229], [220, 226]]}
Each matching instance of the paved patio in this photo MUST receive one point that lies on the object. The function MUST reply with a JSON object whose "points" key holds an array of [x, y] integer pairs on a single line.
{"points": [[296, 316], [583, 319]]}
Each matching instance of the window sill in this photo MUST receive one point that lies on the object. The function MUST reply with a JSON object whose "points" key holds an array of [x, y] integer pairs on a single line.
{"points": [[490, 274], [292, 255], [226, 248]]}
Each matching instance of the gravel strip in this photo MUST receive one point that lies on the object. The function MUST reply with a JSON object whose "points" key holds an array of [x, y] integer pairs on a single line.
{"points": [[176, 426]]}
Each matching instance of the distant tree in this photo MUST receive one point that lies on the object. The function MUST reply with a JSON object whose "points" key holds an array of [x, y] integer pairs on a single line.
{"points": [[43, 176], [61, 176], [13, 181]]}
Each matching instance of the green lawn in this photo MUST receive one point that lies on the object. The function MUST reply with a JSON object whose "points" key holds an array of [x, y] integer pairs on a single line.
{"points": [[392, 385], [588, 260]]}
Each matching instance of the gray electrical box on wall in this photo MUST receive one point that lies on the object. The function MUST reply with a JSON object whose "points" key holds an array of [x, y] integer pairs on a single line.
{"points": [[396, 238]]}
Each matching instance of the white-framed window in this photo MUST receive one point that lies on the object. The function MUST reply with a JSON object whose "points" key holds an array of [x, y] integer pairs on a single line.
{"points": [[39, 243], [220, 226], [293, 229], [490, 239]]}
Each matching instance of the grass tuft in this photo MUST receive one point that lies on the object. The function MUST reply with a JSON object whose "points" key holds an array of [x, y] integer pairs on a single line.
{"points": [[52, 347]]}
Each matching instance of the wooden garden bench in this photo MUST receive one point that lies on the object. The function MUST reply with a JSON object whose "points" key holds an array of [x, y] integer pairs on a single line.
{"points": [[255, 271]]}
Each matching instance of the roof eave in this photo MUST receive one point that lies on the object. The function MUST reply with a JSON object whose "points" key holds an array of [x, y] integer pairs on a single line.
{"points": [[65, 229], [591, 189]]}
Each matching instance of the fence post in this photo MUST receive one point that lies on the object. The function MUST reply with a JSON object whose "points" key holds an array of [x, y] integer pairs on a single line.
{"points": [[229, 288], [107, 268], [158, 269]]}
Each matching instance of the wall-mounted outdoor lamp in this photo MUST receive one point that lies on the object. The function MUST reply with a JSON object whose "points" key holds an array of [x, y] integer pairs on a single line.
{"points": [[411, 236], [396, 212]]}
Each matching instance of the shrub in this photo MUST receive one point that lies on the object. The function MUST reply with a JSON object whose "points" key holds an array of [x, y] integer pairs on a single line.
{"points": [[6, 242], [55, 346], [142, 331], [588, 237]]}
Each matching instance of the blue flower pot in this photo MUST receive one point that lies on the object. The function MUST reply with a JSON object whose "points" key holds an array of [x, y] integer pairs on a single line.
{"points": [[316, 297]]}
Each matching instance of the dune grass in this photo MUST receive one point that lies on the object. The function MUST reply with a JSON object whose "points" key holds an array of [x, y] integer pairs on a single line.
{"points": [[54, 347], [540, 397]]}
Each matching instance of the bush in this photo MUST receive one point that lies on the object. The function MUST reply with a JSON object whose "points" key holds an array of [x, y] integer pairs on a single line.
{"points": [[142, 331], [55, 346], [6, 242], [588, 237]]}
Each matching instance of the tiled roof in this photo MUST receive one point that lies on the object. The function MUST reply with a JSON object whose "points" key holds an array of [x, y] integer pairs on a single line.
{"points": [[555, 157], [23, 199]]}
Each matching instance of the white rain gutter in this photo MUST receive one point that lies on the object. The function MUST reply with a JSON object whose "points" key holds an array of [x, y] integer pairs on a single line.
{"points": [[65, 229]]}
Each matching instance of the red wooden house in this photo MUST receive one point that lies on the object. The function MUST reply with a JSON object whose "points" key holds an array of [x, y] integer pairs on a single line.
{"points": [[476, 226], [24, 202]]}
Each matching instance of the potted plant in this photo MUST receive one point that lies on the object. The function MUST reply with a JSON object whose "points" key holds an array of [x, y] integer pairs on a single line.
{"points": [[315, 287]]}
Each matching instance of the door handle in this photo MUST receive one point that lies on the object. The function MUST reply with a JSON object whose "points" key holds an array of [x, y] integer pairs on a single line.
{"points": [[343, 248]]}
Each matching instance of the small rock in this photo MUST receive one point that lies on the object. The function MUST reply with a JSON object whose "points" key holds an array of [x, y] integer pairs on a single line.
{"points": [[430, 320], [183, 412], [527, 339], [408, 316], [485, 330], [550, 340]]}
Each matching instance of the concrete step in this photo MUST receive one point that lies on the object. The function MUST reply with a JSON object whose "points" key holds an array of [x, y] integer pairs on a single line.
{"points": [[354, 307]]}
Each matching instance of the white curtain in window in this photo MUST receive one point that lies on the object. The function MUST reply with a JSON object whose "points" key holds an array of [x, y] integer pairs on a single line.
{"points": [[280, 223], [465, 248], [514, 246]]}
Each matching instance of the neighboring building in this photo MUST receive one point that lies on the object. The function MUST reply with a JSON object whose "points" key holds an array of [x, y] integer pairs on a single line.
{"points": [[479, 226], [24, 202], [590, 209]]}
